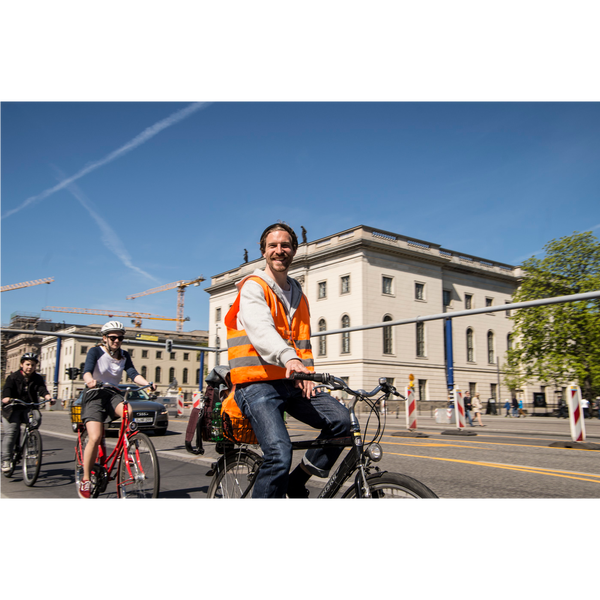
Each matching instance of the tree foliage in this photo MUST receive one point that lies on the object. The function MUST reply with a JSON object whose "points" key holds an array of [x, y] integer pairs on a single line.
{"points": [[560, 343]]}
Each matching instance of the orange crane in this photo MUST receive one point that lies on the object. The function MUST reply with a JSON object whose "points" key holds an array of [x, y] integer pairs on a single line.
{"points": [[16, 286], [180, 285], [136, 316]]}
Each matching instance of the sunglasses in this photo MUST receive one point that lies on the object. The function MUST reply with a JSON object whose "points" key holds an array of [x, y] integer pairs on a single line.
{"points": [[114, 338]]}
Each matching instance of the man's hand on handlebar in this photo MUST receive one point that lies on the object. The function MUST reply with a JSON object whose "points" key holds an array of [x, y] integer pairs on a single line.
{"points": [[296, 366]]}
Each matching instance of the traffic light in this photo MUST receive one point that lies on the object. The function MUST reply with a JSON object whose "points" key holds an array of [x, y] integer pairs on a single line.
{"points": [[72, 372], [169, 345]]}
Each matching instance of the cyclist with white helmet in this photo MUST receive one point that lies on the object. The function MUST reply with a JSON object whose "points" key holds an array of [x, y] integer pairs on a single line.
{"points": [[103, 364], [24, 384]]}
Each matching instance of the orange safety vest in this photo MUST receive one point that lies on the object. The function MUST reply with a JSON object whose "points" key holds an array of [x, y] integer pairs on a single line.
{"points": [[245, 363]]}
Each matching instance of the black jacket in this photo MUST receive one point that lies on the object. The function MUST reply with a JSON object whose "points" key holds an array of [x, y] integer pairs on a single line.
{"points": [[16, 386]]}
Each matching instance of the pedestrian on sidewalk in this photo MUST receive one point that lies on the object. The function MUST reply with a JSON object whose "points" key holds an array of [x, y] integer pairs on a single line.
{"points": [[522, 411], [477, 406], [468, 407], [585, 405], [515, 408], [507, 407]]}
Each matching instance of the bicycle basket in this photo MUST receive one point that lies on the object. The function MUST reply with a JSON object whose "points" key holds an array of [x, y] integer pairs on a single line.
{"points": [[236, 427]]}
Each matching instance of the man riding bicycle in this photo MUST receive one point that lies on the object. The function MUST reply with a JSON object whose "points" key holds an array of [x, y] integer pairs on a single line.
{"points": [[103, 364], [268, 338], [27, 385]]}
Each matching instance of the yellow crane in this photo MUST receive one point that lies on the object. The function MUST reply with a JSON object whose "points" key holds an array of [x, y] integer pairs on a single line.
{"points": [[180, 285], [16, 286], [136, 316]]}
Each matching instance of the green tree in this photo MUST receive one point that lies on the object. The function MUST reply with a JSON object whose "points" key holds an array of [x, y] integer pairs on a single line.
{"points": [[560, 343]]}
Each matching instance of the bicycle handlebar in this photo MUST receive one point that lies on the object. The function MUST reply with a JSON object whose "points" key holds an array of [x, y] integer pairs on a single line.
{"points": [[18, 401], [340, 384]]}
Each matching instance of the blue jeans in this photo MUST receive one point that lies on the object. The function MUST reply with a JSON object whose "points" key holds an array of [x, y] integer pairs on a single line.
{"points": [[264, 404], [468, 413]]}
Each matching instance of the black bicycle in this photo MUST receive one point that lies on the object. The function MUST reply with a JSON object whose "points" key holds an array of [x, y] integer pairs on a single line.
{"points": [[235, 472], [29, 449]]}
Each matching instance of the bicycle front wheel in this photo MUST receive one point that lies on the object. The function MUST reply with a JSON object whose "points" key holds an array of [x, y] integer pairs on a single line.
{"points": [[138, 474], [32, 456], [234, 474], [393, 485]]}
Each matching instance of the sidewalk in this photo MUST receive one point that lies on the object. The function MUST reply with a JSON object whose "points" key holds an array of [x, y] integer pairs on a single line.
{"points": [[531, 425]]}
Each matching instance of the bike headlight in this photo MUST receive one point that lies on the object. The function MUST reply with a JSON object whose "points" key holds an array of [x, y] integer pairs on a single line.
{"points": [[374, 452]]}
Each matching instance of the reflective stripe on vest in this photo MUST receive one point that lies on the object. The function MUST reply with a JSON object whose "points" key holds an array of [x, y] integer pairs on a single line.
{"points": [[244, 361]]}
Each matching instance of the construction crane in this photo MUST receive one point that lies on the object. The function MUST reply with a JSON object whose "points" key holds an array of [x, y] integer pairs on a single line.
{"points": [[16, 286], [180, 285], [136, 316]]}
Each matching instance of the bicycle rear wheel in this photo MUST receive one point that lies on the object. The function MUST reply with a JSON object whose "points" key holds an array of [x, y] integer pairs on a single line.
{"points": [[234, 474], [393, 485], [32, 456], [138, 474]]}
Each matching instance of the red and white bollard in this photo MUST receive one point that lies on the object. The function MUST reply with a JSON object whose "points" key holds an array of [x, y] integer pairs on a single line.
{"points": [[411, 408], [196, 396], [459, 408], [180, 405], [576, 413]]}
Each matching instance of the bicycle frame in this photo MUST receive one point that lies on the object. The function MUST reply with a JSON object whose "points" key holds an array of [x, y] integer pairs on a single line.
{"points": [[127, 431], [353, 462]]}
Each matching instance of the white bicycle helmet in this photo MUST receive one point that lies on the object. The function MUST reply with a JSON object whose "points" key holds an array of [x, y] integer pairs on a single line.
{"points": [[112, 326]]}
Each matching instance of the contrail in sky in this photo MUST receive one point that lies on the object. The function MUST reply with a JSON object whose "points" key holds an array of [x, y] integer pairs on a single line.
{"points": [[140, 139], [109, 237]]}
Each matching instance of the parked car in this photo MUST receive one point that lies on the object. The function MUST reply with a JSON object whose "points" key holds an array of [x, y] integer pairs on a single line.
{"points": [[148, 414]]}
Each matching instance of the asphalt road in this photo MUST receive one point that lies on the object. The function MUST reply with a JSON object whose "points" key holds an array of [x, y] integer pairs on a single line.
{"points": [[509, 458]]}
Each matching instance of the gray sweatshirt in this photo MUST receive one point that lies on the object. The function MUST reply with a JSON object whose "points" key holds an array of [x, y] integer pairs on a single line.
{"points": [[255, 317]]}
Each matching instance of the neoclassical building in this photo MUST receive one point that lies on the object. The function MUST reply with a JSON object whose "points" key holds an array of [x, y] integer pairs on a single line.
{"points": [[366, 276], [153, 362]]}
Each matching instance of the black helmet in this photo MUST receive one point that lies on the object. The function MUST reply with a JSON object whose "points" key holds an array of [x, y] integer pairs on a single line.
{"points": [[29, 356]]}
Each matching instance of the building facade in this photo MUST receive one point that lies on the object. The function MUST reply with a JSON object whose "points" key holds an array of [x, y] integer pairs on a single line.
{"points": [[179, 369], [365, 276]]}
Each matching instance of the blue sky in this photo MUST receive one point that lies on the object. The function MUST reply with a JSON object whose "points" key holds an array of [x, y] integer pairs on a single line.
{"points": [[112, 199]]}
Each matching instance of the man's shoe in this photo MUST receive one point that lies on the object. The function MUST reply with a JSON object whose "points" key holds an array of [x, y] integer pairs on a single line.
{"points": [[299, 491], [6, 466], [85, 488]]}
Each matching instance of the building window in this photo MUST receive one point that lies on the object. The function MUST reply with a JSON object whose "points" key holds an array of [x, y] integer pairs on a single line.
{"points": [[468, 301], [159, 354], [172, 355], [157, 375], [144, 353], [421, 339], [323, 338], [490, 347], [218, 315], [447, 297], [144, 371], [197, 376], [509, 342], [422, 389], [489, 302], [171, 374], [386, 285], [493, 390], [322, 290], [470, 346], [345, 336], [388, 342], [419, 291], [345, 284], [84, 349], [472, 388], [184, 379], [507, 312]]}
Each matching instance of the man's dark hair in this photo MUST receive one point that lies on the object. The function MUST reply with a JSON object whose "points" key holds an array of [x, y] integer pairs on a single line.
{"points": [[277, 227]]}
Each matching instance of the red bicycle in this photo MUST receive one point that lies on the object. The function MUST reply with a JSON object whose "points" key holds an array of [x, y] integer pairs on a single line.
{"points": [[134, 456]]}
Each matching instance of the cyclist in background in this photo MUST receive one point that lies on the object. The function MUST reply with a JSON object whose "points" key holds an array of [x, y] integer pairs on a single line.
{"points": [[104, 363], [27, 385], [268, 338]]}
